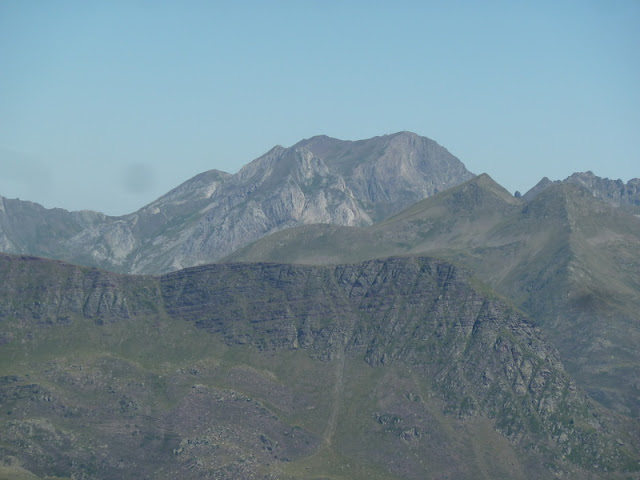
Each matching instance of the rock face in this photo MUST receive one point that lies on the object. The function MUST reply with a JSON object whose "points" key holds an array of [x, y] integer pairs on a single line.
{"points": [[29, 227], [387, 174], [281, 371], [319, 180], [50, 292]]}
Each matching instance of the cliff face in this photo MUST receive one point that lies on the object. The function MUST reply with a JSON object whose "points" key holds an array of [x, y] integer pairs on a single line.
{"points": [[50, 292], [282, 371], [389, 173], [481, 354]]}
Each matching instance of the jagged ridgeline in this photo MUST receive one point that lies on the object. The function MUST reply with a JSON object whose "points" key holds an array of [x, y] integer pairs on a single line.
{"points": [[396, 368], [318, 180]]}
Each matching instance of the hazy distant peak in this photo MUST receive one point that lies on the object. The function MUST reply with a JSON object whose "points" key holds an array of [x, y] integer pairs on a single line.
{"points": [[614, 192], [323, 145], [563, 188], [485, 180], [317, 180], [563, 202], [537, 188], [275, 153], [263, 160], [406, 135], [589, 178], [480, 188], [198, 187], [481, 193], [318, 140], [210, 175]]}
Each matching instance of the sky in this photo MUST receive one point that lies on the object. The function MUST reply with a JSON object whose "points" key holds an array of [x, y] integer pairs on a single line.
{"points": [[108, 105]]}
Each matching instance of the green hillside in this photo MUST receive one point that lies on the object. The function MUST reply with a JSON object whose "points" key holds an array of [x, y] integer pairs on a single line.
{"points": [[566, 258], [389, 369]]}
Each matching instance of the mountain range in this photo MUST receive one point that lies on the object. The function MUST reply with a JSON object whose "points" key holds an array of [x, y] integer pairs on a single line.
{"points": [[378, 311], [566, 258], [319, 180]]}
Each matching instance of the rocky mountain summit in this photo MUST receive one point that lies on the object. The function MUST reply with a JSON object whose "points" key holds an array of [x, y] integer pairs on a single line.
{"points": [[397, 368], [614, 192], [319, 180]]}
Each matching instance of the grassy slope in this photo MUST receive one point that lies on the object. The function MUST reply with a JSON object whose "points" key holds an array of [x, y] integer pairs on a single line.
{"points": [[159, 397], [93, 368]]}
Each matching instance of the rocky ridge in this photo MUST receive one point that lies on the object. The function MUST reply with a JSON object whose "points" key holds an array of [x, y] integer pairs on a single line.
{"points": [[614, 192], [472, 357], [319, 180]]}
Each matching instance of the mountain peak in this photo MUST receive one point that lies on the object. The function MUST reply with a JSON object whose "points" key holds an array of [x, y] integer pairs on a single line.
{"points": [[317, 180], [404, 134], [614, 192], [484, 185]]}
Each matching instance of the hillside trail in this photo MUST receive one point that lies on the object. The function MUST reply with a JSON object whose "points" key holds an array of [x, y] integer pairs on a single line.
{"points": [[336, 397]]}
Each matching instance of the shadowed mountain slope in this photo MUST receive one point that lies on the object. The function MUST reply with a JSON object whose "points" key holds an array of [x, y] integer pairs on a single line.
{"points": [[387, 369]]}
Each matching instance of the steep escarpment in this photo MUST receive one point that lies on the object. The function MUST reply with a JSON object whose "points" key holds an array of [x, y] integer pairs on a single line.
{"points": [[394, 368], [482, 356], [51, 292]]}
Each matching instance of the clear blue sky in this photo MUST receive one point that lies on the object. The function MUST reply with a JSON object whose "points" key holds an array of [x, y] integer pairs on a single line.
{"points": [[106, 105]]}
